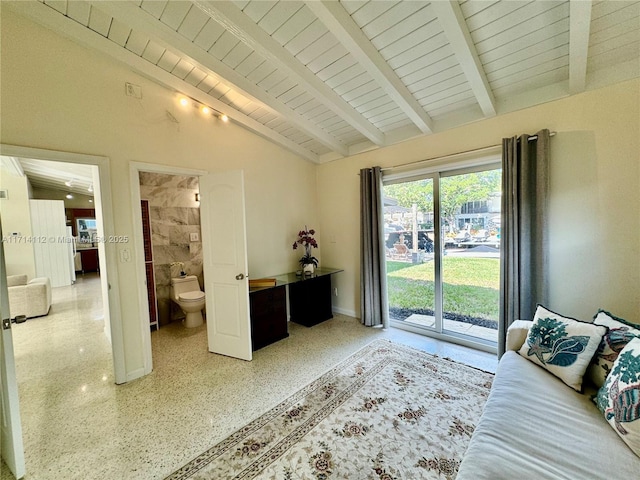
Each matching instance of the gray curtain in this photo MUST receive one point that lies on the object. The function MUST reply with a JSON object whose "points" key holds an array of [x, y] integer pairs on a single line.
{"points": [[373, 280], [524, 231]]}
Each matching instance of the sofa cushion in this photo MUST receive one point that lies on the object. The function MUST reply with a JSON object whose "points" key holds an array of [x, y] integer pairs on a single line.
{"points": [[619, 397], [534, 427], [619, 334], [564, 346]]}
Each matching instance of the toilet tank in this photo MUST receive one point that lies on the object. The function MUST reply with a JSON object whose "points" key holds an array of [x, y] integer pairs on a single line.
{"points": [[184, 284]]}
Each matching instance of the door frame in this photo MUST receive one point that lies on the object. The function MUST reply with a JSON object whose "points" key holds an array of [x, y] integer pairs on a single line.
{"points": [[138, 248], [449, 166], [110, 268], [11, 427]]}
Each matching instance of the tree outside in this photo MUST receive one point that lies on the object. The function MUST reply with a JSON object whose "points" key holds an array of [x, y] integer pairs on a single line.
{"points": [[455, 191]]}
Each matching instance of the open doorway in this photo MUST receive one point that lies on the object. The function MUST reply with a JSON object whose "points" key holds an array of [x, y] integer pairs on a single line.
{"points": [[224, 259], [173, 244], [168, 245], [74, 345], [101, 186]]}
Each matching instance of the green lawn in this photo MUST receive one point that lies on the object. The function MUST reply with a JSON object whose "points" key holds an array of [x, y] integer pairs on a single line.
{"points": [[471, 286]]}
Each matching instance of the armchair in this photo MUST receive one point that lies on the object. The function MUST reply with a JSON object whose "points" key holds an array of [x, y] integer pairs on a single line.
{"points": [[31, 299]]}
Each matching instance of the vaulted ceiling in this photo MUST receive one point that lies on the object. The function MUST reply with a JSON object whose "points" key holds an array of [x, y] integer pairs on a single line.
{"points": [[49, 175], [327, 79]]}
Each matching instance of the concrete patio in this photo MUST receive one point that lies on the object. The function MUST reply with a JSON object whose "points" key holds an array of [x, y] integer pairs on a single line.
{"points": [[454, 326]]}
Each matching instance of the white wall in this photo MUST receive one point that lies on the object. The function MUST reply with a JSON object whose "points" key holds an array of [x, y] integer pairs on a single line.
{"points": [[16, 218], [594, 197], [57, 95]]}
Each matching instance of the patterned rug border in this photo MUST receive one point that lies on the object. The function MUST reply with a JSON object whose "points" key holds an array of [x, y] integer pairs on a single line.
{"points": [[209, 455]]}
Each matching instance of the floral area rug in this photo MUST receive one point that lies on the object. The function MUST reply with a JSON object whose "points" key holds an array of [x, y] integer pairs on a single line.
{"points": [[387, 412]]}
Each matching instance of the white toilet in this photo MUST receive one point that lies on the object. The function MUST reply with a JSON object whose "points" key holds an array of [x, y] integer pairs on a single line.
{"points": [[185, 291]]}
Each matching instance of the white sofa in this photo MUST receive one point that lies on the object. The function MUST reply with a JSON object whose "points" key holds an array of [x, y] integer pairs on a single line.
{"points": [[31, 299], [535, 426]]}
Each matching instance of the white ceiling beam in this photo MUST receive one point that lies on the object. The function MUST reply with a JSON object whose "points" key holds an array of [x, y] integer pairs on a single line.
{"points": [[43, 170], [349, 34], [455, 28], [53, 20], [12, 164], [247, 31], [579, 28], [139, 20]]}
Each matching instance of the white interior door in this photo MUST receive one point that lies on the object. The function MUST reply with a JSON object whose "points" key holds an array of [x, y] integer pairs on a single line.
{"points": [[11, 429], [224, 248]]}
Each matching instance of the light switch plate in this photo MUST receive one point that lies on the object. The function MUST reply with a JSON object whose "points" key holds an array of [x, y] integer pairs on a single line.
{"points": [[194, 237]]}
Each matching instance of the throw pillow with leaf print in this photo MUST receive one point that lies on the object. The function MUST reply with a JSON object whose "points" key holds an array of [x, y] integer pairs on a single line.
{"points": [[619, 397], [620, 333], [562, 345]]}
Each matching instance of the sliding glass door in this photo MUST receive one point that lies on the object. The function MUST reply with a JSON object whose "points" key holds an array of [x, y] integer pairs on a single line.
{"points": [[442, 234]]}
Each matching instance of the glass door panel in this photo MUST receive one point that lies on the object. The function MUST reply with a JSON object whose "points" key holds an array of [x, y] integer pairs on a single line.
{"points": [[409, 242], [470, 217]]}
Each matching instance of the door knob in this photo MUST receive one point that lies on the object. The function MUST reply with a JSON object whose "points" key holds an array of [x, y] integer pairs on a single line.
{"points": [[240, 276]]}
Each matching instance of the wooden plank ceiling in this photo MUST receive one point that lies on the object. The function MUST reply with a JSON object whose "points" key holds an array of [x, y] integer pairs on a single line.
{"points": [[328, 79]]}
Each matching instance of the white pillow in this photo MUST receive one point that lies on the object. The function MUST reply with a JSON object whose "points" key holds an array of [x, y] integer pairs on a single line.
{"points": [[619, 334], [561, 345], [619, 398]]}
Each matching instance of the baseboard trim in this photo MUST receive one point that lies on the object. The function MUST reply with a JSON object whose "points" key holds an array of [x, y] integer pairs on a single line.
{"points": [[344, 311]]}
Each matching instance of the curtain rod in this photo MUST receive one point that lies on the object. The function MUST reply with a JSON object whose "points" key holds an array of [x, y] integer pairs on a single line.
{"points": [[475, 150]]}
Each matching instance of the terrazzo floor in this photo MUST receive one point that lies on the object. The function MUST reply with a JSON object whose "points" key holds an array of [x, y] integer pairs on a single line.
{"points": [[77, 424]]}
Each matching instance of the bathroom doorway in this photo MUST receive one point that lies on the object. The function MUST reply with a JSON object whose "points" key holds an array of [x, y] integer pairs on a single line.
{"points": [[228, 330], [167, 253], [173, 245]]}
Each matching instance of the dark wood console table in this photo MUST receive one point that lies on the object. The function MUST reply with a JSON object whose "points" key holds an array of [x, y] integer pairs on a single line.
{"points": [[268, 310], [309, 304]]}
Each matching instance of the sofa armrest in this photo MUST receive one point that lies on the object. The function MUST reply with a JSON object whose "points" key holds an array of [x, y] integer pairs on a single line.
{"points": [[517, 334], [39, 296], [43, 282], [16, 280], [18, 300]]}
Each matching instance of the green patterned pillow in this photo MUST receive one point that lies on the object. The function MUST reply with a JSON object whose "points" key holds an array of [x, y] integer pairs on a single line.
{"points": [[620, 333], [561, 345], [619, 398]]}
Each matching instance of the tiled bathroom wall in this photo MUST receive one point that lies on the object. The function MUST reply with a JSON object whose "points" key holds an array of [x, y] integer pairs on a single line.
{"points": [[174, 214]]}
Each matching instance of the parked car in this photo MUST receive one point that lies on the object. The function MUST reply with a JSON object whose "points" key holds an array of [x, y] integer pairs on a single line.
{"points": [[481, 235], [462, 236]]}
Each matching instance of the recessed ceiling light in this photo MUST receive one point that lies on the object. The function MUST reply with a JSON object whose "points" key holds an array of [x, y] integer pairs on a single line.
{"points": [[224, 118], [69, 196], [206, 110], [184, 102]]}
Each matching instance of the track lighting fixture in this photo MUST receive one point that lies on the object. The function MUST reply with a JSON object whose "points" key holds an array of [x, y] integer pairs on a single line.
{"points": [[205, 109]]}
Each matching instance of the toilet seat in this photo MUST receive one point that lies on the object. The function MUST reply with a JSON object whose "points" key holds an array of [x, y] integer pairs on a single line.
{"points": [[191, 296]]}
